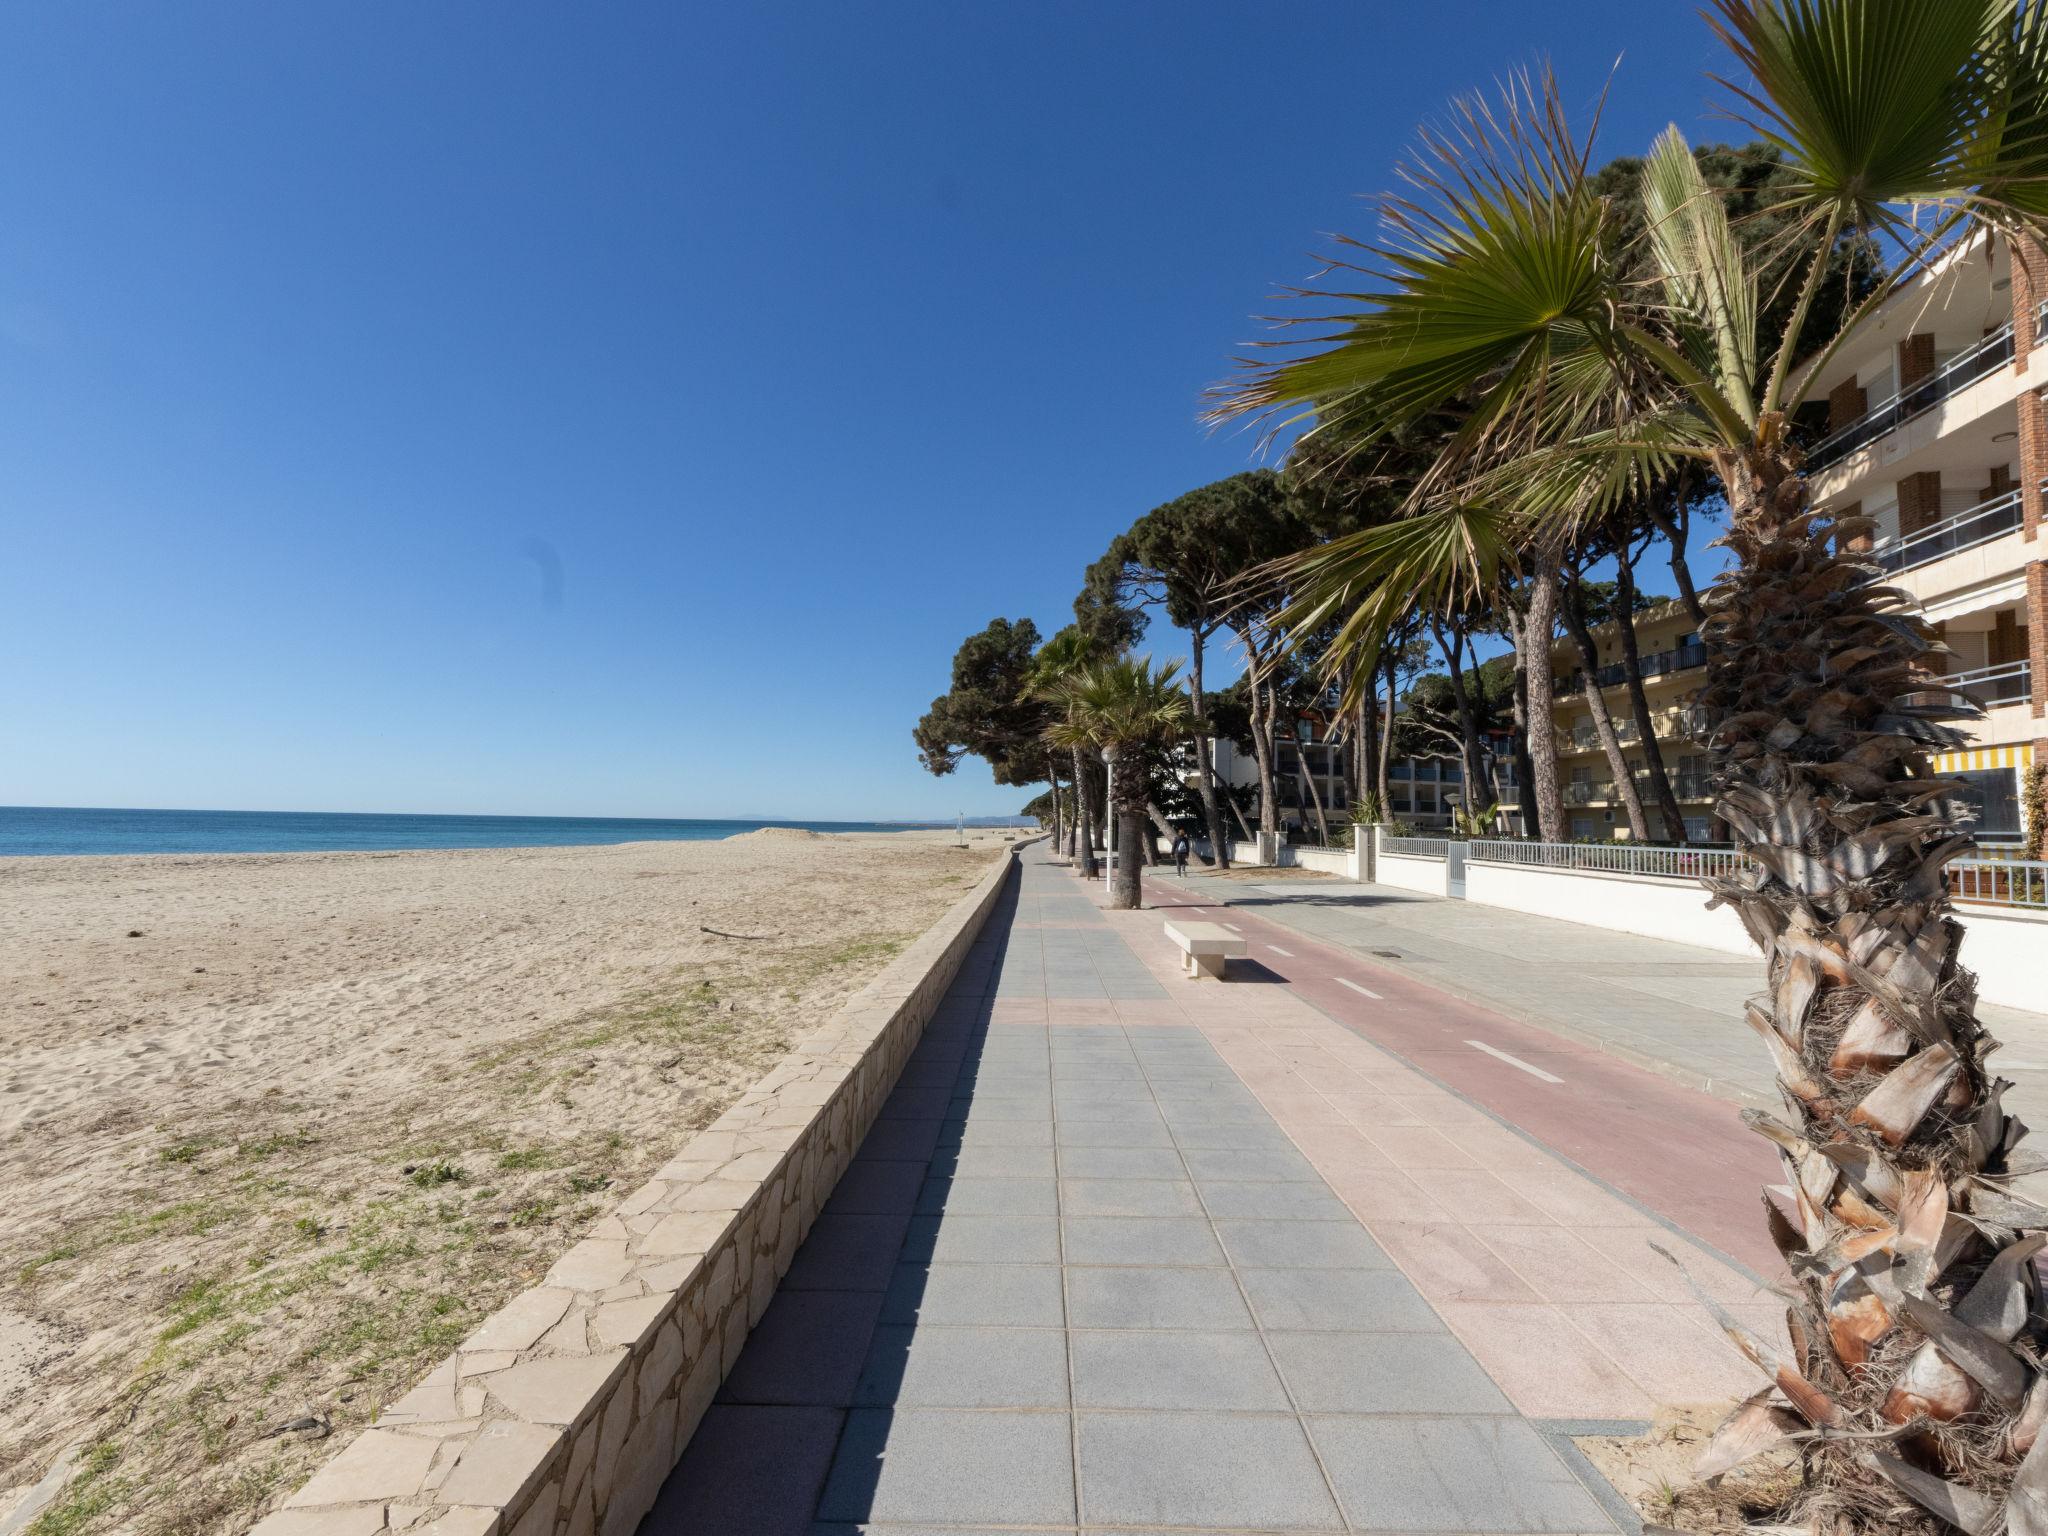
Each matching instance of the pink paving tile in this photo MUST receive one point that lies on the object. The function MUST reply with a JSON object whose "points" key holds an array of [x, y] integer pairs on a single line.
{"points": [[1340, 1143], [1495, 1146], [1292, 1109], [1379, 1195], [1476, 1196], [1369, 1109], [1561, 1267], [1569, 1196], [1629, 1248], [1419, 1146], [1547, 1368], [1449, 1263], [1668, 1353]]}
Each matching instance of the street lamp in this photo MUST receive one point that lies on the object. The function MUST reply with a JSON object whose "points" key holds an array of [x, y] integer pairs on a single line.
{"points": [[1108, 815]]}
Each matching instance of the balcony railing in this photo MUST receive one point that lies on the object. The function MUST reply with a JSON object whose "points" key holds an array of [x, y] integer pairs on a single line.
{"points": [[1655, 665], [1966, 530], [2000, 882], [2010, 682], [1588, 791], [1965, 368]]}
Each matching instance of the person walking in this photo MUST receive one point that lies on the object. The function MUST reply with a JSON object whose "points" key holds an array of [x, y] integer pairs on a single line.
{"points": [[1180, 853]]}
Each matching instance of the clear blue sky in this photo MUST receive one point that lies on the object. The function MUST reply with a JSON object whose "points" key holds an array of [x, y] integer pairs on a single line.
{"points": [[626, 408]]}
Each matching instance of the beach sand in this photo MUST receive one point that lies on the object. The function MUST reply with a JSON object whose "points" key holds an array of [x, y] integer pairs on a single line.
{"points": [[278, 1130]]}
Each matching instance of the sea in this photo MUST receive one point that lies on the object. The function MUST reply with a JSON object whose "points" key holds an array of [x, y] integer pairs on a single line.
{"points": [[60, 830]]}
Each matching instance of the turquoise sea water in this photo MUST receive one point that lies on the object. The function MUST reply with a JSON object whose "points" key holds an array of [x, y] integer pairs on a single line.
{"points": [[29, 829]]}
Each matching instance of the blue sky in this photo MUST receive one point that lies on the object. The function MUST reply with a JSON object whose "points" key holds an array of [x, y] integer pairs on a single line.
{"points": [[626, 409]]}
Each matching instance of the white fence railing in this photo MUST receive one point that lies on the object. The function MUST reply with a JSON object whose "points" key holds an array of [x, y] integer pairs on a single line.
{"points": [[1417, 847], [2001, 882], [1663, 859]]}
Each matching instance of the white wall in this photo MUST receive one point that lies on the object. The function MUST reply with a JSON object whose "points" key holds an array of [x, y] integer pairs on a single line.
{"points": [[2008, 949], [1343, 861], [1430, 876]]}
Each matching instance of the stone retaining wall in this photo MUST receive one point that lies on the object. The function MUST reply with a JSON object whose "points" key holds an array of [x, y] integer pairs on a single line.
{"points": [[566, 1409]]}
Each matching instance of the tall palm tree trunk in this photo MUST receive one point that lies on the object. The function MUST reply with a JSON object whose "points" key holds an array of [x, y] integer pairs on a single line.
{"points": [[1646, 723], [1058, 825], [1384, 770], [1205, 778], [1126, 886], [1574, 610], [1083, 816], [1917, 1309], [1539, 626]]}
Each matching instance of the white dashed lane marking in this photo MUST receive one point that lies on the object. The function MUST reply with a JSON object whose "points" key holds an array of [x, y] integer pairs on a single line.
{"points": [[1366, 991], [1513, 1061], [1279, 951]]}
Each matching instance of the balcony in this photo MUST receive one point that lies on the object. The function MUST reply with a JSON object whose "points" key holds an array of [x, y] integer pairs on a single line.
{"points": [[2010, 682], [1655, 665], [1588, 792], [1966, 530], [1959, 372]]}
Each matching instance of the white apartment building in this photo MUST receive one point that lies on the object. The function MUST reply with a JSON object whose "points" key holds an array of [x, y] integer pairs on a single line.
{"points": [[1936, 429]]}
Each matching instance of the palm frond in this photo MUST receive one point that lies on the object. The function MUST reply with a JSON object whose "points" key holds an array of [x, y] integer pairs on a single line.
{"points": [[1705, 277]]}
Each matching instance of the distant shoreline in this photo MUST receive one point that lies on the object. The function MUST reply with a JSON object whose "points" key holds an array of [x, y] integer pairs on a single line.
{"points": [[85, 831]]}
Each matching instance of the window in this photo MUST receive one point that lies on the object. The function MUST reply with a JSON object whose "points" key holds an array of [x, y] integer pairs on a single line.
{"points": [[1699, 829], [1991, 795]]}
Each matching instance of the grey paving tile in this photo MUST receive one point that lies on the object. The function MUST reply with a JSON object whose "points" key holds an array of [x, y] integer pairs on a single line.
{"points": [[952, 1466], [1128, 1197], [1101, 1109], [809, 1348], [935, 1367], [1155, 1298], [748, 1469], [877, 1188], [982, 1240], [1008, 1106], [1121, 1163], [1112, 1133], [1249, 1165], [897, 1140], [1384, 1373], [991, 1295], [1295, 1200], [848, 1253], [1158, 1368], [1232, 1138], [994, 1162], [995, 1133], [1452, 1474], [1346, 1300], [908, 1103], [1140, 1240], [1301, 1245], [989, 1197], [1201, 1469]]}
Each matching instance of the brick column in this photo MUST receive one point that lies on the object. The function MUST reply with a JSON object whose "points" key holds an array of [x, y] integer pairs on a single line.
{"points": [[1846, 401], [2029, 287], [2037, 634], [1916, 360], [1919, 502]]}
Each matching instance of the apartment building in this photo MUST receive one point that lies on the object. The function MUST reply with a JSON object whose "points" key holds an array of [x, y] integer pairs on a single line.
{"points": [[1672, 658], [1935, 429]]}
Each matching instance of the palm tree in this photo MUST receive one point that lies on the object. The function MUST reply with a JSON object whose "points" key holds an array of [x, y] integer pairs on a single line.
{"points": [[1912, 1370], [1127, 708], [1053, 670]]}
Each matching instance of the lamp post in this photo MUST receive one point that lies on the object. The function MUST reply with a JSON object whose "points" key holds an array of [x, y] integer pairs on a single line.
{"points": [[1108, 816]]}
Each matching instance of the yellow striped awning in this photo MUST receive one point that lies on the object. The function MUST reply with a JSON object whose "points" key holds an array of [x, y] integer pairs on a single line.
{"points": [[2018, 755]]}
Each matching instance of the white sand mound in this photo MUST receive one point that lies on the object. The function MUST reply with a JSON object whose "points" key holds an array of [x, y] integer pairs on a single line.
{"points": [[776, 835]]}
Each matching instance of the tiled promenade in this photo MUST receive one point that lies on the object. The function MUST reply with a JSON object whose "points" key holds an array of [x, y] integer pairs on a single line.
{"points": [[1107, 1263]]}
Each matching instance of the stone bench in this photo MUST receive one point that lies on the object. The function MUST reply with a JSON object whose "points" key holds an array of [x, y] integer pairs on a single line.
{"points": [[1204, 947]]}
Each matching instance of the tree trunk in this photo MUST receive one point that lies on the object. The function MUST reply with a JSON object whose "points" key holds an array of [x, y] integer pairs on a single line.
{"points": [[1646, 723], [1205, 781], [1058, 826], [1238, 811], [1472, 754], [1315, 795], [1911, 1257], [1264, 707], [1574, 607], [1675, 527], [1540, 626], [1387, 741], [1525, 763], [1083, 816], [1126, 886]]}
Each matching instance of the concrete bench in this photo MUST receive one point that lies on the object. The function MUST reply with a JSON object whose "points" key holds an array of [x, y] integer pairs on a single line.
{"points": [[1204, 947]]}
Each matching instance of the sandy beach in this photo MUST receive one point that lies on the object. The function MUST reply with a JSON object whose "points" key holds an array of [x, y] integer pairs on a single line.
{"points": [[278, 1129]]}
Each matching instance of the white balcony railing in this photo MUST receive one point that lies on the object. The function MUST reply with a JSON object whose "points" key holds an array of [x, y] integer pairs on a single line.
{"points": [[1964, 369], [2010, 682], [1980, 524]]}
